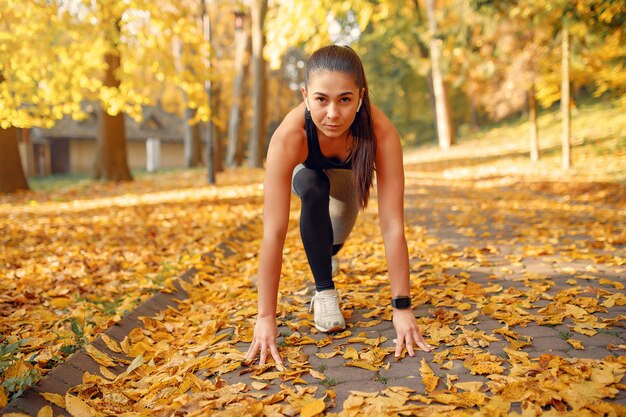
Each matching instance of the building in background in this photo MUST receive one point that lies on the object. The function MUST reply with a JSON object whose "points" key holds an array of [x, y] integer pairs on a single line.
{"points": [[70, 146]]}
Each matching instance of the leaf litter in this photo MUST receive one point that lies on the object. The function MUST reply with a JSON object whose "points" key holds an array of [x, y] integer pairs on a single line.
{"points": [[187, 360]]}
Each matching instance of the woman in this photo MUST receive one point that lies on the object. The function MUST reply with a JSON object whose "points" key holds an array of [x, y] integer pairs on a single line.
{"points": [[325, 151]]}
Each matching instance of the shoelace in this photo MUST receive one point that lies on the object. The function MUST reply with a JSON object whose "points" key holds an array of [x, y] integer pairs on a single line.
{"points": [[328, 302]]}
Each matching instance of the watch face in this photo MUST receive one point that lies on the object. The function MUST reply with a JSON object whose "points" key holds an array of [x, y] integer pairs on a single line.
{"points": [[401, 302]]}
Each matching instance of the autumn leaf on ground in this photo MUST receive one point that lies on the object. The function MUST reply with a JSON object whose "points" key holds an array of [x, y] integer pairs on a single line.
{"points": [[428, 377]]}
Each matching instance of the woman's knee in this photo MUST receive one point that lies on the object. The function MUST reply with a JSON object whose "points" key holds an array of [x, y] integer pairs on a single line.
{"points": [[312, 185]]}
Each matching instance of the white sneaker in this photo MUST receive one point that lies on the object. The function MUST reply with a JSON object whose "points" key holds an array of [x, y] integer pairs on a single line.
{"points": [[326, 313], [335, 265]]}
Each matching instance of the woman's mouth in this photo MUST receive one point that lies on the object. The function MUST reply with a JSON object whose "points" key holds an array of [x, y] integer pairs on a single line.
{"points": [[333, 127]]}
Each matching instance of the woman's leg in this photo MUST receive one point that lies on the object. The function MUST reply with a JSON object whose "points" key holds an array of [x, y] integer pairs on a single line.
{"points": [[343, 206], [313, 187]]}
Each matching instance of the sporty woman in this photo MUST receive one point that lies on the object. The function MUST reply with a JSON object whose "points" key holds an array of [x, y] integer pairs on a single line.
{"points": [[326, 151]]}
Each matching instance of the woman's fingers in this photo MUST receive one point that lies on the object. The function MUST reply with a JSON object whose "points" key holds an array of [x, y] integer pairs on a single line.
{"points": [[263, 355], [263, 348], [252, 352], [420, 342], [399, 346], [276, 355], [409, 345], [409, 341]]}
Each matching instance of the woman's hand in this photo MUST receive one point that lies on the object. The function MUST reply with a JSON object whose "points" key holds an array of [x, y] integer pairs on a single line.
{"points": [[408, 332], [264, 341]]}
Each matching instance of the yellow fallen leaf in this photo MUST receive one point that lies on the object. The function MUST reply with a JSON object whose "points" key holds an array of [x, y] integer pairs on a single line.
{"points": [[369, 323], [55, 399], [346, 333], [267, 376], [60, 302], [107, 373], [136, 363], [77, 407], [471, 386], [98, 356], [111, 344], [428, 377], [584, 328], [15, 415], [316, 374], [45, 412], [518, 344], [361, 364], [313, 408], [485, 368], [329, 354], [351, 353], [353, 401], [4, 400], [259, 385], [464, 306], [617, 285], [576, 344], [448, 365], [612, 346], [18, 370]]}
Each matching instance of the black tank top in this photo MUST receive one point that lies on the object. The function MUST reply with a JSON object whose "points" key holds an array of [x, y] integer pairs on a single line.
{"points": [[316, 159]]}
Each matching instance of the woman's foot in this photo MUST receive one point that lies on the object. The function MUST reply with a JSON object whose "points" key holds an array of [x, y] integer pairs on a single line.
{"points": [[326, 313]]}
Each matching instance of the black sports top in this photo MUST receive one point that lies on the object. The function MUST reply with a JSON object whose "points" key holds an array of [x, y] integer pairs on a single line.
{"points": [[316, 159]]}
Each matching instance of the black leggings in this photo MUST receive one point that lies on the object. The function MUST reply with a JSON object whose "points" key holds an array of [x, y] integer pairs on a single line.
{"points": [[316, 229]]}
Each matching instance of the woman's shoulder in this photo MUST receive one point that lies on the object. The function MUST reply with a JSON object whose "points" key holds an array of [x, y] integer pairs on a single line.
{"points": [[290, 136], [383, 127]]}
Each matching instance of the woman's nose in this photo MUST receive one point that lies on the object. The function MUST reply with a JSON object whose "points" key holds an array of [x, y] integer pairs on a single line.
{"points": [[331, 111]]}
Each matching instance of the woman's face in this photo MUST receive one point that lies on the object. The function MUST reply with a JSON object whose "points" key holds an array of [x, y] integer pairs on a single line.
{"points": [[333, 99]]}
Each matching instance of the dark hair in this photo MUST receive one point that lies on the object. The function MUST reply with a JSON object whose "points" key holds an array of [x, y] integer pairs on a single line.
{"points": [[363, 151]]}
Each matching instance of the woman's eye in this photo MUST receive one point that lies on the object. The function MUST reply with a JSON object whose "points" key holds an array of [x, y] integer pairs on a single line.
{"points": [[319, 99], [346, 100]]}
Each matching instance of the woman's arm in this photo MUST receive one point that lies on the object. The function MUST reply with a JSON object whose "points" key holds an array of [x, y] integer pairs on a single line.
{"points": [[284, 153], [390, 187]]}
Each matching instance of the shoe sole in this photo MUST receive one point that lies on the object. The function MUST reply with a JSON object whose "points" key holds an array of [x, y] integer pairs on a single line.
{"points": [[332, 329]]}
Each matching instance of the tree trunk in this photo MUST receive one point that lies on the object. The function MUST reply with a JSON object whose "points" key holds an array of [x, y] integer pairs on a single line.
{"points": [[565, 99], [192, 137], [443, 113], [258, 10], [234, 122], [532, 123], [111, 160], [209, 128], [218, 148], [191, 140], [12, 176]]}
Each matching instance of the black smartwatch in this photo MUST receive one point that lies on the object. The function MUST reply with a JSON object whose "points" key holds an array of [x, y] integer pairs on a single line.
{"points": [[401, 303]]}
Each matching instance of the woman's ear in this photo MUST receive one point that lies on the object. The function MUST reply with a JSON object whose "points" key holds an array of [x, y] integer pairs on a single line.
{"points": [[304, 96], [361, 94]]}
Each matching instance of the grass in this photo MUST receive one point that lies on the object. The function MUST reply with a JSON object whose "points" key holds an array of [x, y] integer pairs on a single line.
{"points": [[598, 148], [329, 382], [383, 379]]}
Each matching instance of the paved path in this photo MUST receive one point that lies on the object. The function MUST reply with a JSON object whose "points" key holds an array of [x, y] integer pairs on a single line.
{"points": [[482, 243]]}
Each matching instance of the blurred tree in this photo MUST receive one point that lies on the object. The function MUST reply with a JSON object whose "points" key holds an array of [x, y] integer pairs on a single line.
{"points": [[12, 176], [41, 69], [209, 128], [111, 162], [445, 132], [192, 141], [258, 10], [235, 131]]}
